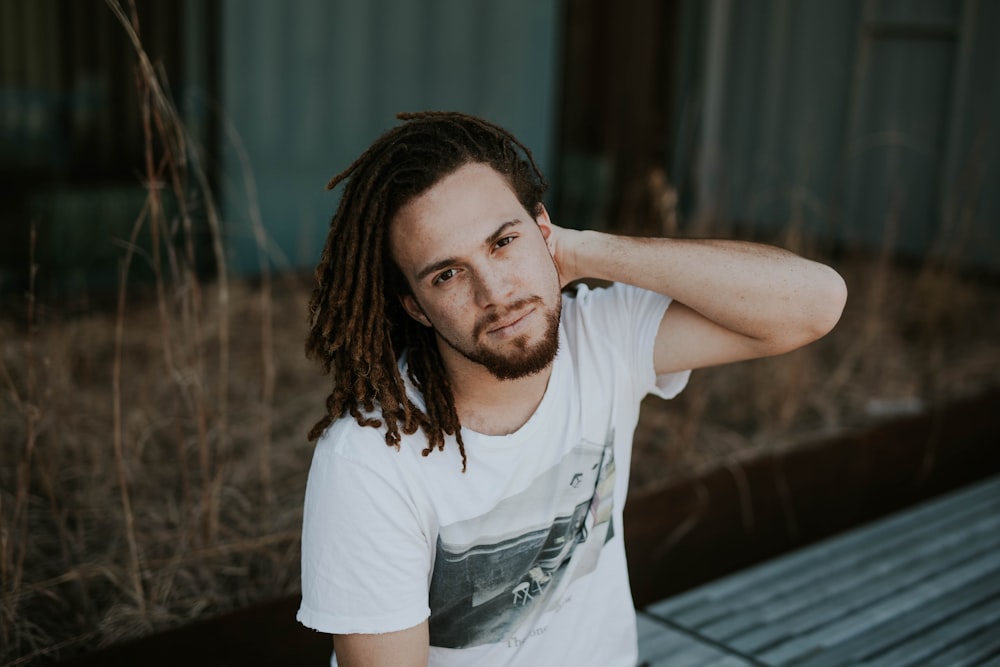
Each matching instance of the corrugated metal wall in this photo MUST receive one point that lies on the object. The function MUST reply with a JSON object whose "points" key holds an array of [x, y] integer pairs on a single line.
{"points": [[67, 88], [308, 84], [873, 123], [72, 145]]}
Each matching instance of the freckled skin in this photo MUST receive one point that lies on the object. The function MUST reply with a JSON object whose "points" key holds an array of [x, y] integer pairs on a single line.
{"points": [[481, 274]]}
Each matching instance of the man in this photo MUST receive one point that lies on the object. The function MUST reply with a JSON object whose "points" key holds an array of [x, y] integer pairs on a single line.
{"points": [[438, 311]]}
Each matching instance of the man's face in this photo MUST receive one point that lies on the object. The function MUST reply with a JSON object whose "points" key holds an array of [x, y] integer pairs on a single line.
{"points": [[481, 274]]}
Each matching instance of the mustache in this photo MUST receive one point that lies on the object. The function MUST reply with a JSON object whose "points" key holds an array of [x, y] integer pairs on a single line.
{"points": [[484, 323]]}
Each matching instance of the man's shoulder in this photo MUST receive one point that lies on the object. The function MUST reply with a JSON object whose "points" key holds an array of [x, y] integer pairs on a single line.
{"points": [[610, 305], [345, 438], [591, 294], [366, 445]]}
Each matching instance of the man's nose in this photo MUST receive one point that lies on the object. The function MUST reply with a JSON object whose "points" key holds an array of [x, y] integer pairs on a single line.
{"points": [[492, 287]]}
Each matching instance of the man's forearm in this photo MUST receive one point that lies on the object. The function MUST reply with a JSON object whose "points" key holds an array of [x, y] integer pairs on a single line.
{"points": [[755, 290]]}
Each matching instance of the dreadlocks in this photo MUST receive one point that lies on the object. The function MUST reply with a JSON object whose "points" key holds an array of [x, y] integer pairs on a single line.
{"points": [[357, 325]]}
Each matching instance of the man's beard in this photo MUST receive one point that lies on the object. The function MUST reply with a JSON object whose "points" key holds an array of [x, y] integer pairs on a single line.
{"points": [[525, 359]]}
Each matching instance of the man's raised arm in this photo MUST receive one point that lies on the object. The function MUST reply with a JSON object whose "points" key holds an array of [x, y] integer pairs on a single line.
{"points": [[734, 300]]}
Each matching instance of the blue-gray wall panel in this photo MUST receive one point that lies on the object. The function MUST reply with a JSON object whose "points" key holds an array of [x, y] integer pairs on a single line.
{"points": [[872, 123], [308, 84], [895, 152]]}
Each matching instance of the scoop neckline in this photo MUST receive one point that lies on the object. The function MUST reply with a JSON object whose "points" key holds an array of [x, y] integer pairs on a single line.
{"points": [[507, 439], [528, 427]]}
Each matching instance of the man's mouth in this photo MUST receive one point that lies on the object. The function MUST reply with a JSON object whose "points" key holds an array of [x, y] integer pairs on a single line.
{"points": [[510, 322], [507, 321]]}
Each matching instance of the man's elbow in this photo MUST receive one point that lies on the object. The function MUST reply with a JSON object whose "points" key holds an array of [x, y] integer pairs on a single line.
{"points": [[827, 302], [819, 315], [832, 301]]}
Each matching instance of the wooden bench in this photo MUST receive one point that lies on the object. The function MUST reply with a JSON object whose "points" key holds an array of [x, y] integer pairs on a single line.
{"points": [[920, 587]]}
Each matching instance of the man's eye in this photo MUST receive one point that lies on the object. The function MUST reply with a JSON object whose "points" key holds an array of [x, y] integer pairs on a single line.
{"points": [[444, 276], [504, 241]]}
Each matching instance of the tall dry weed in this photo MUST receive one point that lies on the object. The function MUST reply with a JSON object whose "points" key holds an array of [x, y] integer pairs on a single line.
{"points": [[147, 491]]}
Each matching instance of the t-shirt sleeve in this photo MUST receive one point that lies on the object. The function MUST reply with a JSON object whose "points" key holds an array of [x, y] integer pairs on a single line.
{"points": [[631, 316], [365, 558]]}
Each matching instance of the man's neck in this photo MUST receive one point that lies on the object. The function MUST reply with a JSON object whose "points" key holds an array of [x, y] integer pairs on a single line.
{"points": [[496, 407]]}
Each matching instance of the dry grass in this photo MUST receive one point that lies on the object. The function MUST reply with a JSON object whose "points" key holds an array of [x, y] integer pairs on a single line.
{"points": [[909, 338], [82, 567], [195, 537]]}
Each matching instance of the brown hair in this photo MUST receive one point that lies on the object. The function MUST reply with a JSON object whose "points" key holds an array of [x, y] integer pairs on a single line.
{"points": [[357, 326]]}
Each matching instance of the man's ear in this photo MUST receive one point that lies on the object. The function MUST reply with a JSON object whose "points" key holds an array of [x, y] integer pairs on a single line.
{"points": [[413, 309], [544, 224]]}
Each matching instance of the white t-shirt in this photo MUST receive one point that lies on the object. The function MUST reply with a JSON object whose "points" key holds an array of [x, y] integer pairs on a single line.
{"points": [[520, 560]]}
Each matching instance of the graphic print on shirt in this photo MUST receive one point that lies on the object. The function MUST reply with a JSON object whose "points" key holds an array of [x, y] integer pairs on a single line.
{"points": [[495, 573]]}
